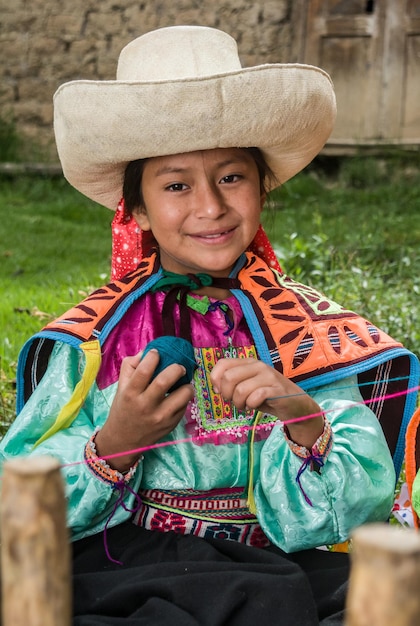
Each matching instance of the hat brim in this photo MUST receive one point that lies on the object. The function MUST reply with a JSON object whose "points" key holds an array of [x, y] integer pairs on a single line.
{"points": [[286, 110]]}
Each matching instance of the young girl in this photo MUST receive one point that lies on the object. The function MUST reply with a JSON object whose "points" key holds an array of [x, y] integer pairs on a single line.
{"points": [[204, 502]]}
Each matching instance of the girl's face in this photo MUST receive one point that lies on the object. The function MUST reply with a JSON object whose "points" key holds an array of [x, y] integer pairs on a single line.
{"points": [[202, 207]]}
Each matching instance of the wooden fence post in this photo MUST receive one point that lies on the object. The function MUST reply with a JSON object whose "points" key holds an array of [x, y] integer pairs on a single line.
{"points": [[384, 587], [35, 549]]}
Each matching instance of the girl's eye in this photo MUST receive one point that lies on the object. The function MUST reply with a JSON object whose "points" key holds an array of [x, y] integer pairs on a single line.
{"points": [[230, 178], [176, 187]]}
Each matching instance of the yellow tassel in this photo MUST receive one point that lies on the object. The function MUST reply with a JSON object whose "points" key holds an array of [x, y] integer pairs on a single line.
{"points": [[68, 413], [251, 499]]}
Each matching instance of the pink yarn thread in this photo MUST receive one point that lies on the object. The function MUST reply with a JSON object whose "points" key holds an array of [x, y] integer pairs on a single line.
{"points": [[210, 436]]}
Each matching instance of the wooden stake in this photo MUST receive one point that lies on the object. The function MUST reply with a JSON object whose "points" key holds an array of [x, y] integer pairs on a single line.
{"points": [[384, 587], [35, 549]]}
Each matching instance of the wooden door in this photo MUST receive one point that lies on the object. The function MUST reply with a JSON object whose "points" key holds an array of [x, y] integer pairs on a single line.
{"points": [[371, 49], [410, 87]]}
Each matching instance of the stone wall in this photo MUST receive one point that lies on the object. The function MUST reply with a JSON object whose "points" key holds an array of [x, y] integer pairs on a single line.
{"points": [[44, 43]]}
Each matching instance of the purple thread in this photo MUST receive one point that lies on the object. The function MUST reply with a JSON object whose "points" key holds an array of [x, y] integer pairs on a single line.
{"points": [[225, 310], [121, 486], [312, 459]]}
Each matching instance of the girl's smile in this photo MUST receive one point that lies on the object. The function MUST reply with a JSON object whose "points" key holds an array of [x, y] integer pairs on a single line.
{"points": [[203, 208]]}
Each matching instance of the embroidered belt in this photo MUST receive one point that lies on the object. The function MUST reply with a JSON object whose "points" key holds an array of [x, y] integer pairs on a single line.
{"points": [[220, 513]]}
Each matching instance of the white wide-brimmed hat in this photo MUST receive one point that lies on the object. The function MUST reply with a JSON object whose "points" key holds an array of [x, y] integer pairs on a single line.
{"points": [[182, 89]]}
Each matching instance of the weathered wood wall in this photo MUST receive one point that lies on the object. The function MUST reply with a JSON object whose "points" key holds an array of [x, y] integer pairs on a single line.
{"points": [[44, 43]]}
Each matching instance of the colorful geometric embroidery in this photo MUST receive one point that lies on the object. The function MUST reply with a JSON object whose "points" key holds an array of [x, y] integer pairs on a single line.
{"points": [[221, 514], [212, 413], [227, 504]]}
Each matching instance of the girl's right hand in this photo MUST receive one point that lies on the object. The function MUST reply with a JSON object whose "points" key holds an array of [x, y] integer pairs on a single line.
{"points": [[142, 411]]}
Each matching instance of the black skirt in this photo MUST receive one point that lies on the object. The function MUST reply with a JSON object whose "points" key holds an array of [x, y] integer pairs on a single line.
{"points": [[183, 580]]}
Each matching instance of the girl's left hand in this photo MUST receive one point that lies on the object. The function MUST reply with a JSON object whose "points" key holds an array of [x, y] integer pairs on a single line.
{"points": [[252, 384]]}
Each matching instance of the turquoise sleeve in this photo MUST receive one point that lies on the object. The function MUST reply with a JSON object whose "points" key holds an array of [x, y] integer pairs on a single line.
{"points": [[90, 500], [355, 485]]}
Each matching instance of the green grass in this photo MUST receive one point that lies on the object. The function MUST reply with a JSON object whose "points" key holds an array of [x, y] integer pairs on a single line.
{"points": [[50, 233], [356, 236], [55, 248], [353, 233]]}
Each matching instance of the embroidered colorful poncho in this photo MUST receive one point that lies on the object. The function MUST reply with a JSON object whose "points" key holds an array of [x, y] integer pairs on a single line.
{"points": [[304, 335]]}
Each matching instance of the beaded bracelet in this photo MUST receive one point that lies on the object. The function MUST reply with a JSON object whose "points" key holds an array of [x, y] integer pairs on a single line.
{"points": [[313, 458], [101, 469], [321, 447]]}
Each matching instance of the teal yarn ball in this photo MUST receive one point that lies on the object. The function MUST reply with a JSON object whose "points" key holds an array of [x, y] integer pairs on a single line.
{"points": [[173, 350]]}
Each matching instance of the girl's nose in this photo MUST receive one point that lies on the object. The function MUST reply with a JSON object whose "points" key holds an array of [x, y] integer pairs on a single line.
{"points": [[210, 201]]}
